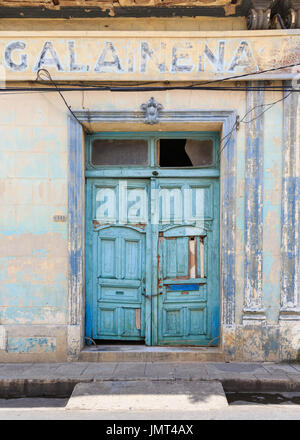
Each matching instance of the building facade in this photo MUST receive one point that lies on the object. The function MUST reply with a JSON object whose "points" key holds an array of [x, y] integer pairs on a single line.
{"points": [[149, 178]]}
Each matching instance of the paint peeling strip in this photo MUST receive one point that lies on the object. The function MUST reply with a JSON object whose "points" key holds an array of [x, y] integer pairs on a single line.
{"points": [[138, 318], [202, 274], [31, 345], [192, 257]]}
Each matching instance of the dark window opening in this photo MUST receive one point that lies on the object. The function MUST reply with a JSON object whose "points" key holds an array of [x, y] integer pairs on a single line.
{"points": [[185, 153]]}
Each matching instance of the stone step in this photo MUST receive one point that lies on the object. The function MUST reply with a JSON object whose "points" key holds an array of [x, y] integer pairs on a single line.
{"points": [[150, 354], [148, 395]]}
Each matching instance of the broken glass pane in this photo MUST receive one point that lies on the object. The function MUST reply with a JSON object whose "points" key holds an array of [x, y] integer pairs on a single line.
{"points": [[186, 153]]}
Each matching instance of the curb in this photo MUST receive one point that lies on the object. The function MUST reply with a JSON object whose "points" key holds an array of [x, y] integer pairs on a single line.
{"points": [[14, 388], [259, 385], [63, 387]]}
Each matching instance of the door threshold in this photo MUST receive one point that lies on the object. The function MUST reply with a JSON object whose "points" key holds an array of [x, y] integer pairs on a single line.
{"points": [[144, 353]]}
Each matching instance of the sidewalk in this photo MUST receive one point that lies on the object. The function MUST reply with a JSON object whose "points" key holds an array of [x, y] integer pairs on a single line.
{"points": [[59, 379]]}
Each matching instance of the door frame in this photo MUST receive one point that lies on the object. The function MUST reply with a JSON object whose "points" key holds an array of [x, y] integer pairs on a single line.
{"points": [[95, 175], [225, 120]]}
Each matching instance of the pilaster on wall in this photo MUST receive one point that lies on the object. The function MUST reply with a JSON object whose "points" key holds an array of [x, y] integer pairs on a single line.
{"points": [[228, 237], [253, 310], [76, 236], [290, 225]]}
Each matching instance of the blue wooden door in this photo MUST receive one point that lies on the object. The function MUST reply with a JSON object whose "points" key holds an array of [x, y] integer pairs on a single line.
{"points": [[188, 275], [117, 261], [152, 244]]}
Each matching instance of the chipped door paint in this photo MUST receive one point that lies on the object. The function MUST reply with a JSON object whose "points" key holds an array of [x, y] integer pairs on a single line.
{"points": [[153, 208], [187, 298], [188, 277], [116, 269]]}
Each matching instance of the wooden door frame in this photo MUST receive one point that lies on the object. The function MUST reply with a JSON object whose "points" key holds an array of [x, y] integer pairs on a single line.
{"points": [[113, 173], [76, 210]]}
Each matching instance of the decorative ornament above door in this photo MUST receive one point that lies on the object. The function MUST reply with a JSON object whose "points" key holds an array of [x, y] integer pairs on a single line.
{"points": [[152, 111]]}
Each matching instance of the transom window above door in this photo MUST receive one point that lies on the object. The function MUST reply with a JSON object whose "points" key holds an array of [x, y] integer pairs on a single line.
{"points": [[169, 150], [120, 152]]}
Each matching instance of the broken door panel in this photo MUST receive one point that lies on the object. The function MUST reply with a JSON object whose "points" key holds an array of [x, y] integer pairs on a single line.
{"points": [[187, 305]]}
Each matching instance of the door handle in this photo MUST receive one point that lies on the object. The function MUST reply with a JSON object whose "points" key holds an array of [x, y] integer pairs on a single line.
{"points": [[151, 296]]}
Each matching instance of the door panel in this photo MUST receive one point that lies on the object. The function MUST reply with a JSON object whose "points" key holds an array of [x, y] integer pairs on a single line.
{"points": [[121, 259], [117, 262], [166, 269], [187, 305], [173, 321], [176, 261]]}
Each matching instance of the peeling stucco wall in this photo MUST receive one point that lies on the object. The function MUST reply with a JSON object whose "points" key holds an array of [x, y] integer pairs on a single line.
{"points": [[271, 331], [34, 249]]}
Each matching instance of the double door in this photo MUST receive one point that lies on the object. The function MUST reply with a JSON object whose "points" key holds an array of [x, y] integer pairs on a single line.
{"points": [[152, 270]]}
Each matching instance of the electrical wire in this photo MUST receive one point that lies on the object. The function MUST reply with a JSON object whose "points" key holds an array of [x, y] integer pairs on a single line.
{"points": [[287, 66], [242, 120], [45, 72], [203, 85], [24, 90], [49, 78], [290, 89], [253, 73], [269, 106]]}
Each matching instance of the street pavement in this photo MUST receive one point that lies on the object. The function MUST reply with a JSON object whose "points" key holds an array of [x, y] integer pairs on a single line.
{"points": [[54, 409], [21, 382], [234, 376]]}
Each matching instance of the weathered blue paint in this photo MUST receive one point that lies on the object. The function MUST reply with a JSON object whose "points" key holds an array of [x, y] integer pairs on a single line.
{"points": [[31, 345], [290, 224], [108, 293], [57, 164], [32, 294], [272, 166], [34, 165], [175, 287], [32, 315], [253, 301], [32, 265], [185, 316], [228, 170], [76, 213], [7, 164], [119, 272], [116, 286], [271, 340]]}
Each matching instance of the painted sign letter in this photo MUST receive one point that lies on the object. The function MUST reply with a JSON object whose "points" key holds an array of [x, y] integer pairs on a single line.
{"points": [[53, 60], [243, 58], [112, 65], [216, 60], [73, 66], [148, 54], [23, 64], [180, 55]]}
